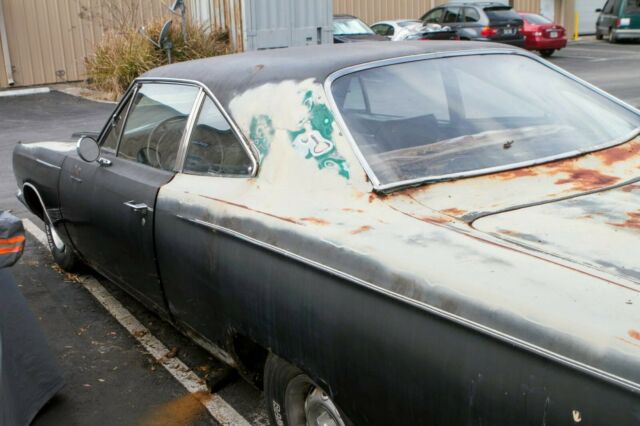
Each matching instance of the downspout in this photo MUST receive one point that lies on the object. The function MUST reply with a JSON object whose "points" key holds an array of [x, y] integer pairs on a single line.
{"points": [[5, 48]]}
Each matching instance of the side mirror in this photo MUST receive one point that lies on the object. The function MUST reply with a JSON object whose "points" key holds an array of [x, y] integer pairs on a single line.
{"points": [[598, 10], [88, 149]]}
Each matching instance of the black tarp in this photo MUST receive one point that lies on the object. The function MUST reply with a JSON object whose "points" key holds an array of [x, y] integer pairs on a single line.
{"points": [[29, 376]]}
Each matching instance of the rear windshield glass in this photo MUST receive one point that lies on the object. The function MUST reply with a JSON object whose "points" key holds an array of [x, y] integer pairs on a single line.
{"points": [[501, 14], [351, 26], [434, 118], [538, 19], [632, 6]]}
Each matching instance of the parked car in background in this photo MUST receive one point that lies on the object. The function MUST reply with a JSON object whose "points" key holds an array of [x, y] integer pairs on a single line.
{"points": [[349, 29], [412, 29], [479, 21], [619, 20], [542, 34], [376, 234]]}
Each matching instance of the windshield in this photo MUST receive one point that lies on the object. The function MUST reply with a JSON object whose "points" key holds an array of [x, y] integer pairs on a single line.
{"points": [[434, 118], [352, 26], [537, 19]]}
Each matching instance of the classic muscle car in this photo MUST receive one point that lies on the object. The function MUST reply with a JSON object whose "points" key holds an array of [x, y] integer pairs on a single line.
{"points": [[374, 233]]}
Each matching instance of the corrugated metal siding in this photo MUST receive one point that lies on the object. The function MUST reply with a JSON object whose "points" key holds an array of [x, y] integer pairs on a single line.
{"points": [[48, 39], [220, 14], [372, 11], [527, 5]]}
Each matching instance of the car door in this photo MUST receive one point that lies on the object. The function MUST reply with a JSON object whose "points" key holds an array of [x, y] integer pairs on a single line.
{"points": [[605, 22], [108, 205], [452, 17], [472, 25]]}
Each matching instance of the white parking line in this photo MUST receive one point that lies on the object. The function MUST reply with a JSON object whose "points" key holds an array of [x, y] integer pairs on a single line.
{"points": [[219, 409]]}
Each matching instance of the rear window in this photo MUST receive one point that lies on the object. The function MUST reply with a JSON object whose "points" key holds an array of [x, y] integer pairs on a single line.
{"points": [[437, 118], [501, 14], [537, 19], [632, 6]]}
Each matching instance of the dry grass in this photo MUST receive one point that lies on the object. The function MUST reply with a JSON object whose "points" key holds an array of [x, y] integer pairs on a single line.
{"points": [[123, 55]]}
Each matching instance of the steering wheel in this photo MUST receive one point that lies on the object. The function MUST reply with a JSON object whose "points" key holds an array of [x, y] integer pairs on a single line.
{"points": [[168, 131]]}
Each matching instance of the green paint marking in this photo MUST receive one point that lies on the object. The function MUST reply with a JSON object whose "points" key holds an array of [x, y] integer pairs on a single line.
{"points": [[261, 132], [314, 138]]}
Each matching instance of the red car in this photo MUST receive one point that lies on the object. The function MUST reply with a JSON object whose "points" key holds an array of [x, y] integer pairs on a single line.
{"points": [[542, 34]]}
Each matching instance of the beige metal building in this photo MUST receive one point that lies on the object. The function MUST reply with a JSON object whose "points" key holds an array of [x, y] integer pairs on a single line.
{"points": [[47, 41]]}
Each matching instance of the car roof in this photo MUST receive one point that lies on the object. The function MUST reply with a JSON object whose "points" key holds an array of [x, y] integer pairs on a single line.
{"points": [[228, 75], [343, 16], [395, 21]]}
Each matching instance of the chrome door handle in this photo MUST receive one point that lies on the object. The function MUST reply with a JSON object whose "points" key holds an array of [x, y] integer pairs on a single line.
{"points": [[137, 207]]}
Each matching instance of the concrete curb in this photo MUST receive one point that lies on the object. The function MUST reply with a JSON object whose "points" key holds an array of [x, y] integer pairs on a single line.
{"points": [[24, 92]]}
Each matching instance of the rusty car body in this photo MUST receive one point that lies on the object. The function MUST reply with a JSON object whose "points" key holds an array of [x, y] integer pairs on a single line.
{"points": [[501, 294]]}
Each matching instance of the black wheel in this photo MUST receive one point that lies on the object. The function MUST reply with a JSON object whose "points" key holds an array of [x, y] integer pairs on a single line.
{"points": [[612, 36], [62, 253], [293, 399], [547, 52], [599, 35]]}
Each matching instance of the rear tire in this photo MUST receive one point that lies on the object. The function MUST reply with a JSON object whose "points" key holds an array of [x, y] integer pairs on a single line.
{"points": [[62, 254], [599, 35], [612, 37], [292, 397], [547, 52]]}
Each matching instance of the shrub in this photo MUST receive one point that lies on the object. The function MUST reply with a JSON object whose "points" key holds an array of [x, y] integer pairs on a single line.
{"points": [[123, 55]]}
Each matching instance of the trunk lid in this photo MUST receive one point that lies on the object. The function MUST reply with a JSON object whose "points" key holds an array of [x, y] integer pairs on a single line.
{"points": [[585, 209]]}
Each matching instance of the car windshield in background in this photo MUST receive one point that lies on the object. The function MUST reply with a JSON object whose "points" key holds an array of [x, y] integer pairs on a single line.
{"points": [[537, 19], [499, 13], [352, 26], [632, 6], [440, 118]]}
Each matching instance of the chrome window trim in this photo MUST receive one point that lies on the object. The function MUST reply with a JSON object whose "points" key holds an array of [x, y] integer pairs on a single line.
{"points": [[426, 307], [378, 186], [130, 100], [246, 144], [186, 134]]}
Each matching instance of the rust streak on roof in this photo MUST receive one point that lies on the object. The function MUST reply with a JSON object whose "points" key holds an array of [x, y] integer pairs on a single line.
{"points": [[633, 222]]}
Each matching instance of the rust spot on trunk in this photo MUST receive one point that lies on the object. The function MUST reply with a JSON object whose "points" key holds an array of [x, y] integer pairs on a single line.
{"points": [[633, 222], [362, 229], [454, 211], [634, 333], [435, 219], [630, 188], [580, 179], [514, 174], [182, 411], [315, 220], [618, 153]]}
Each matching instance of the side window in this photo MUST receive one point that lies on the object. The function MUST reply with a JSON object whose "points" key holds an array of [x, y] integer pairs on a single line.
{"points": [[471, 15], [156, 123], [213, 147], [379, 29], [433, 17], [110, 140], [452, 15], [354, 98]]}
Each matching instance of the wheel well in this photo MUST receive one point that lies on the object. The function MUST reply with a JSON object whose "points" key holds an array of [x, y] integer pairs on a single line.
{"points": [[33, 201], [250, 358]]}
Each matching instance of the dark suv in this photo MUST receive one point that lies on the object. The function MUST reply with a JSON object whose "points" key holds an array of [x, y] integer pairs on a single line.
{"points": [[479, 21]]}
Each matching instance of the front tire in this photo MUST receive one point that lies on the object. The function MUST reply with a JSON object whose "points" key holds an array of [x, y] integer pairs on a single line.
{"points": [[62, 254], [612, 36], [546, 53], [599, 35], [293, 399]]}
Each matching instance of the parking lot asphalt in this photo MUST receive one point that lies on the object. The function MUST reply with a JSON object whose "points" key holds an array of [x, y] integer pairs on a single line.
{"points": [[110, 379]]}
